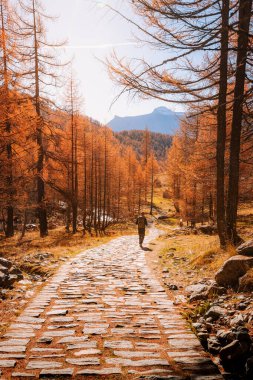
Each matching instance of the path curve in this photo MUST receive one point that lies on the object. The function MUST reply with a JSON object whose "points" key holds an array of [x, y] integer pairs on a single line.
{"points": [[103, 315]]}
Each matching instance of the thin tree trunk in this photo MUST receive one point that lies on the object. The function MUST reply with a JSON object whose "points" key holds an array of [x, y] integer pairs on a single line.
{"points": [[152, 187], [84, 184], [245, 8], [41, 209], [221, 125], [24, 226]]}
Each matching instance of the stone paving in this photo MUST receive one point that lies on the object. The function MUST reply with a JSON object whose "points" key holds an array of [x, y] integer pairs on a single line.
{"points": [[103, 315]]}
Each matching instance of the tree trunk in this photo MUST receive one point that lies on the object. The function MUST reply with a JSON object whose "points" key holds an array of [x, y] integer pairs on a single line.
{"points": [[221, 125], [41, 209], [152, 187], [9, 232], [245, 7]]}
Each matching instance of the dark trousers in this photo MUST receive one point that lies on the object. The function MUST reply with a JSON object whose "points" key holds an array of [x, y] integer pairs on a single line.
{"points": [[141, 232]]}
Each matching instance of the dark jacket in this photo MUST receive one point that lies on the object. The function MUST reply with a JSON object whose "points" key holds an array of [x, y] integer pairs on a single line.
{"points": [[141, 222]]}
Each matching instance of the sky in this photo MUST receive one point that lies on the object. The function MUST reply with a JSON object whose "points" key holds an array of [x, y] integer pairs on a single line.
{"points": [[92, 32]]}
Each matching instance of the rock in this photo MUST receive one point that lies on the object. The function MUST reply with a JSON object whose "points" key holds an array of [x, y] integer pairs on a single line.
{"points": [[231, 352], [207, 230], [56, 373], [237, 320], [213, 345], [249, 368], [173, 287], [196, 288], [215, 290], [215, 312], [232, 270], [5, 263], [246, 249], [242, 306], [246, 282], [3, 269], [225, 337], [16, 271], [244, 337], [203, 337], [163, 217], [8, 273], [198, 297]]}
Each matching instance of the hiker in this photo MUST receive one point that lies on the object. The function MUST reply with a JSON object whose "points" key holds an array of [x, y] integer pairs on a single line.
{"points": [[141, 222]]}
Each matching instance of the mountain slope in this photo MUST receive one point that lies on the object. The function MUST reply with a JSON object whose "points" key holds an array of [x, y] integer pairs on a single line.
{"points": [[161, 120], [158, 142]]}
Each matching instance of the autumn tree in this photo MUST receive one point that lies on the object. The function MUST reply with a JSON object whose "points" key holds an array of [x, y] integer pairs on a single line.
{"points": [[41, 62]]}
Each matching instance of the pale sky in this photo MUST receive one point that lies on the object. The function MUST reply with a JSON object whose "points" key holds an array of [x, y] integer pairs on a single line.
{"points": [[92, 32]]}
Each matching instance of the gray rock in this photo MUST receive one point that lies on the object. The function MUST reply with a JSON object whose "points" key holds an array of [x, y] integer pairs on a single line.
{"points": [[198, 296], [215, 312], [43, 364], [237, 320], [5, 363], [84, 361], [196, 288], [246, 248], [234, 268]]}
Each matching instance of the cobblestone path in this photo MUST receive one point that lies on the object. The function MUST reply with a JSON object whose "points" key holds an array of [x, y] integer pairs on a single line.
{"points": [[103, 315]]}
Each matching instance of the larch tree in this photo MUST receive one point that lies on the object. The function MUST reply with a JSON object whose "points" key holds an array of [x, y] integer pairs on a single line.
{"points": [[40, 58], [9, 74]]}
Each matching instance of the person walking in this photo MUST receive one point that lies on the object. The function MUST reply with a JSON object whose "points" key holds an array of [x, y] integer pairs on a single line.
{"points": [[141, 222]]}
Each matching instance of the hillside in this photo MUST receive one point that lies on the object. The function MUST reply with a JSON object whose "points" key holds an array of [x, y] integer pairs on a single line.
{"points": [[161, 120], [159, 142]]}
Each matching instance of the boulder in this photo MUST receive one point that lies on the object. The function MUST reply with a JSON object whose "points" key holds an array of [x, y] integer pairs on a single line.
{"points": [[246, 249], [231, 352], [234, 268], [246, 282]]}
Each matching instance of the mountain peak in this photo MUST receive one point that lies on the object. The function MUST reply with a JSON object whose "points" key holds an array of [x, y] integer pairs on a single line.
{"points": [[163, 111]]}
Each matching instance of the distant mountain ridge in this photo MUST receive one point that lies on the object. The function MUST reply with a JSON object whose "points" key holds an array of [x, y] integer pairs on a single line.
{"points": [[161, 120]]}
